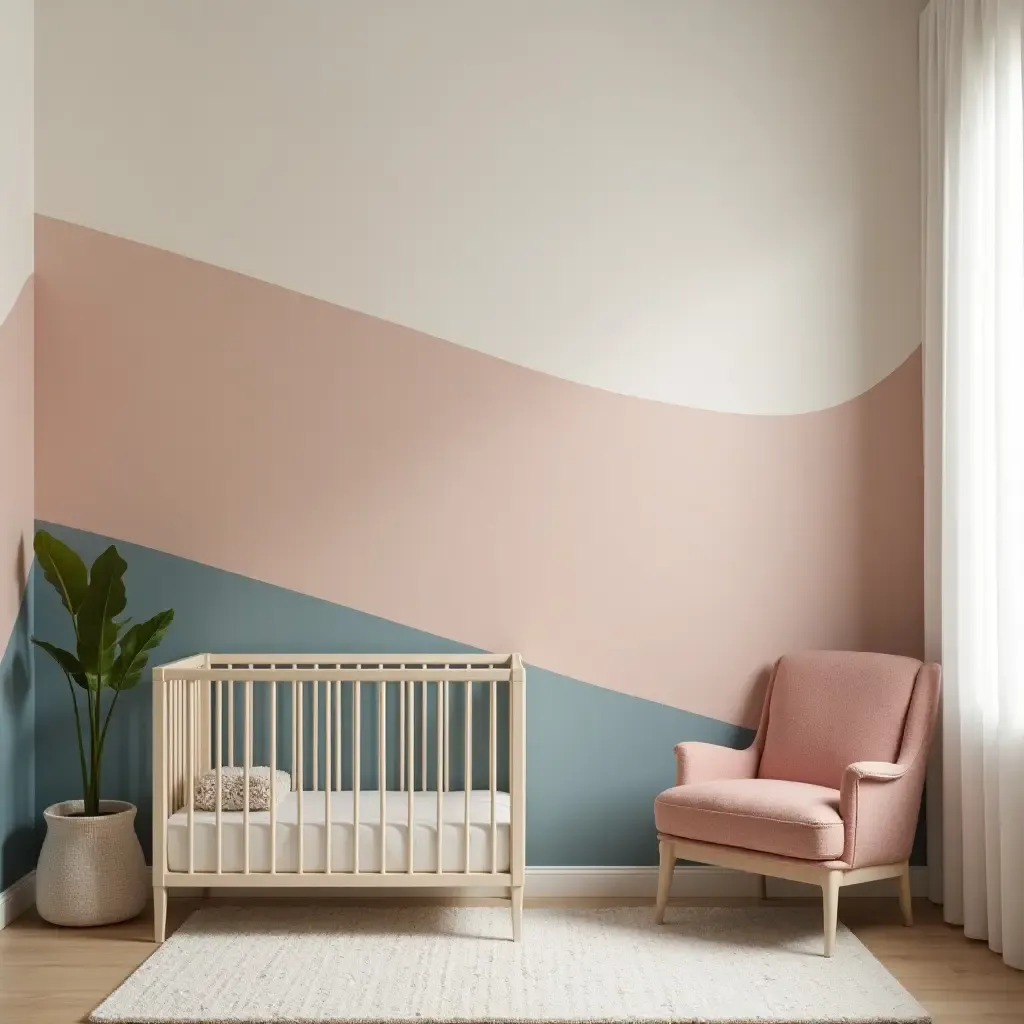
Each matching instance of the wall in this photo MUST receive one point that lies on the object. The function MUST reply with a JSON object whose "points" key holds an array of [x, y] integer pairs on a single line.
{"points": [[17, 746], [586, 330]]}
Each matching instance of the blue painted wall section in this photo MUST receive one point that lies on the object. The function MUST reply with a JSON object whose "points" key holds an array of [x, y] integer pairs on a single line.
{"points": [[19, 832], [595, 758]]}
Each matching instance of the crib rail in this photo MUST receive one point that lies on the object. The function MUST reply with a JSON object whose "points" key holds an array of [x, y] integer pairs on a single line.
{"points": [[362, 728]]}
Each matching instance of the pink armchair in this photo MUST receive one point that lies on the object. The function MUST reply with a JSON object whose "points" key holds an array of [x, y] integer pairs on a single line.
{"points": [[828, 792]]}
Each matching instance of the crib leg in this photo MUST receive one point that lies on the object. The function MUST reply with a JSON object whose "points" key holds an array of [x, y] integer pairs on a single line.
{"points": [[159, 913], [517, 913]]}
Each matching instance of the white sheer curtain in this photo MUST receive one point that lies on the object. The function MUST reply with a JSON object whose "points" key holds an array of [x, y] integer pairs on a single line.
{"points": [[973, 119]]}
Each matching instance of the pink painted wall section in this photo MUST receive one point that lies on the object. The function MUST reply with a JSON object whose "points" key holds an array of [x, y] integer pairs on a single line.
{"points": [[656, 550], [16, 461]]}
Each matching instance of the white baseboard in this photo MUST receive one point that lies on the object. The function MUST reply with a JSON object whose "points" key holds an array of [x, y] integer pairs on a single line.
{"points": [[17, 898], [636, 882], [780, 888], [689, 882]]}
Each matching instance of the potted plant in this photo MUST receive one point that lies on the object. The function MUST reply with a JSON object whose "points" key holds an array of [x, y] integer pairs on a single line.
{"points": [[91, 869]]}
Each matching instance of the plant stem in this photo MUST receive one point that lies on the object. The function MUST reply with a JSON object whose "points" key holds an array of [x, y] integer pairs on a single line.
{"points": [[94, 744], [106, 722], [78, 737], [96, 781]]}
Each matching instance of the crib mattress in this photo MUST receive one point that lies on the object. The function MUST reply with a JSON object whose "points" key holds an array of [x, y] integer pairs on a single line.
{"points": [[396, 834]]}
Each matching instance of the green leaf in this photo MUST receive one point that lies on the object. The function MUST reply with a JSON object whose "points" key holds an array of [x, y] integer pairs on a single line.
{"points": [[135, 647], [67, 661], [106, 664], [62, 569], [104, 600]]}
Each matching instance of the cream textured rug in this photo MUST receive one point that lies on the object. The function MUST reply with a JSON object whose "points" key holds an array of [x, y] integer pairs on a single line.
{"points": [[430, 964]]}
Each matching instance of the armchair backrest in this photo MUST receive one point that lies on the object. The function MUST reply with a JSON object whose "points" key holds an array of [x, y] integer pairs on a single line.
{"points": [[827, 709]]}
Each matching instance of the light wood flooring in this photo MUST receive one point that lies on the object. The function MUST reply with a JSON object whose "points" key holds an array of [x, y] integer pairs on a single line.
{"points": [[56, 976]]}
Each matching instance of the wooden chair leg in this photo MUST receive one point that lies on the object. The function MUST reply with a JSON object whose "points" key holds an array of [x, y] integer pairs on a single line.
{"points": [[830, 906], [517, 913], [906, 907], [159, 913], [666, 865], [762, 889]]}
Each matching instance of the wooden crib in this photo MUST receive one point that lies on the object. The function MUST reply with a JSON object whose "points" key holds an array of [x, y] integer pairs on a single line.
{"points": [[407, 771]]}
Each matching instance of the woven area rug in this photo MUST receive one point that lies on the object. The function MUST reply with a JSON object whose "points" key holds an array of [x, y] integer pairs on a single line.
{"points": [[431, 964]]}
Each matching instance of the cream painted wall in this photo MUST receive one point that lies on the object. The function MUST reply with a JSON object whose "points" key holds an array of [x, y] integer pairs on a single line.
{"points": [[712, 203], [16, 255], [16, 131]]}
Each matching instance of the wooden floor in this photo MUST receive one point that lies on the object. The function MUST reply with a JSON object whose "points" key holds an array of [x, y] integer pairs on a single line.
{"points": [[56, 976]]}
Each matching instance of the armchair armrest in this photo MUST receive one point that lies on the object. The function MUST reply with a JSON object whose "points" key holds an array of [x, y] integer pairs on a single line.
{"points": [[876, 771], [879, 804], [710, 762]]}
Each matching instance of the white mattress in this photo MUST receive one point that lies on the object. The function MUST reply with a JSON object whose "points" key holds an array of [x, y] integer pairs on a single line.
{"points": [[313, 834]]}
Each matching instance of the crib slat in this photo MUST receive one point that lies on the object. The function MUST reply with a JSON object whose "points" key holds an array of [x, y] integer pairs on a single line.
{"points": [[441, 722], [295, 736], [175, 779], [301, 779], [316, 733], [206, 724], [355, 775], [220, 773], [169, 747], [401, 733], [468, 774], [423, 734], [172, 739], [295, 712], [447, 725], [172, 745], [273, 777], [382, 765], [327, 775], [190, 700], [231, 723], [181, 765], [203, 753], [411, 690], [247, 769], [178, 769], [182, 743], [492, 773], [339, 691]]}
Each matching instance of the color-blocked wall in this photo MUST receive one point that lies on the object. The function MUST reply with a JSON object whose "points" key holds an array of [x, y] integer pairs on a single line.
{"points": [[17, 775], [474, 326]]}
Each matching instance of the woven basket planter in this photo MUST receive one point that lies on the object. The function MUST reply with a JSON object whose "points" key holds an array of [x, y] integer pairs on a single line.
{"points": [[91, 870]]}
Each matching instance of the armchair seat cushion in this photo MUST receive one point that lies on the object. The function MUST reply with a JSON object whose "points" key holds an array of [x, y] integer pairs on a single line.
{"points": [[791, 819]]}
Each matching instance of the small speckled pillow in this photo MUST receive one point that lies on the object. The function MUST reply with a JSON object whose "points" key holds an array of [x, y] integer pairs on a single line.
{"points": [[232, 789]]}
